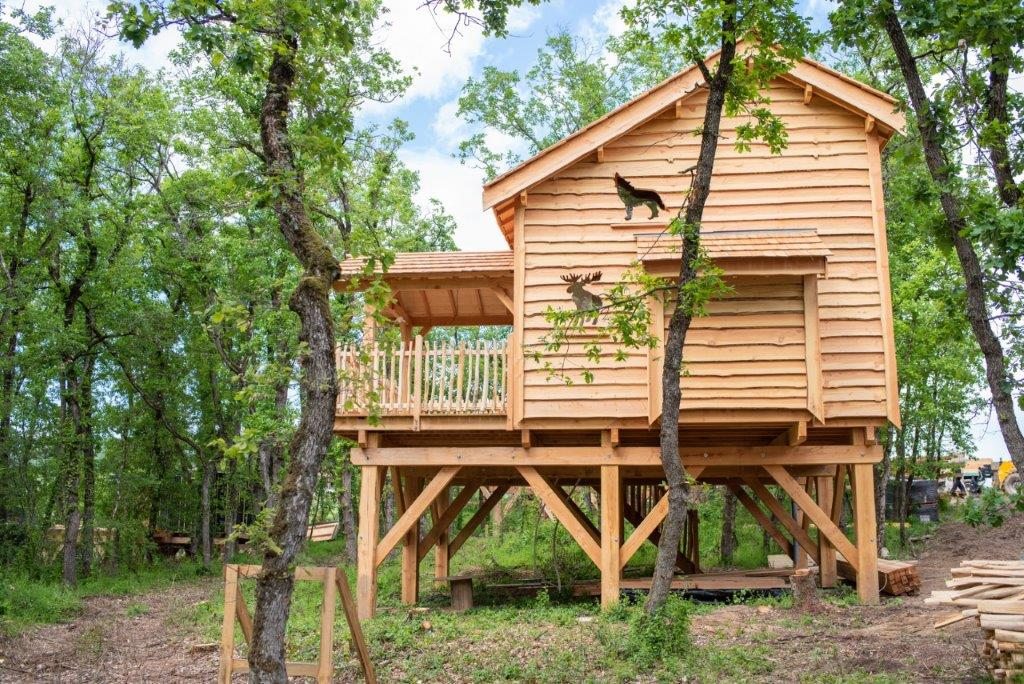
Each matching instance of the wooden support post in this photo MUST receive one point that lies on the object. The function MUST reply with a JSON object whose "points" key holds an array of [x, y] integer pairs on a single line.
{"points": [[439, 510], [227, 631], [410, 547], [323, 668], [827, 573], [410, 518], [369, 529], [867, 542], [611, 534]]}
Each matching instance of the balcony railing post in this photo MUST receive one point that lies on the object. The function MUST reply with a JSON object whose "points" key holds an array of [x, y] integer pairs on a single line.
{"points": [[417, 382]]}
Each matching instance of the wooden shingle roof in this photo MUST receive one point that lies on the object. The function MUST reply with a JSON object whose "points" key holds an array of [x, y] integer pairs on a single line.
{"points": [[477, 264]]}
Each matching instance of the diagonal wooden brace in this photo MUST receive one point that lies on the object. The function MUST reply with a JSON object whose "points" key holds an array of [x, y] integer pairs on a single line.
{"points": [[413, 512], [583, 535], [783, 516], [447, 517], [759, 515], [481, 514], [811, 509]]}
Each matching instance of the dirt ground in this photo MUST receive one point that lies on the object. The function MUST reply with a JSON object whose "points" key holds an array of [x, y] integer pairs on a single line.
{"points": [[115, 640]]}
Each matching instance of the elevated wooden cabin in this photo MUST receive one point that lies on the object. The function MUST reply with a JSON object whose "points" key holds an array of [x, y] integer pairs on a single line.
{"points": [[787, 380]]}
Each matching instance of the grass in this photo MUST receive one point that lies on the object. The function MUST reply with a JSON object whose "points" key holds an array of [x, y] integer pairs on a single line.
{"points": [[26, 601]]}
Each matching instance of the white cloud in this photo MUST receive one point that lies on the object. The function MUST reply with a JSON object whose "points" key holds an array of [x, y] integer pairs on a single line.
{"points": [[448, 128], [75, 15], [458, 188]]}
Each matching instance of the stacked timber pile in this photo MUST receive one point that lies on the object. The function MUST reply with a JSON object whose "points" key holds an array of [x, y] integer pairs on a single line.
{"points": [[895, 578], [993, 593]]}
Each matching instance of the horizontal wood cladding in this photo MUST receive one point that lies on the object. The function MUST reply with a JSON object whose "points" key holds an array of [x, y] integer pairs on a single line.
{"points": [[749, 352]]}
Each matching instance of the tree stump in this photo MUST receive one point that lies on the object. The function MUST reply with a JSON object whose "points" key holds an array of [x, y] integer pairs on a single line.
{"points": [[462, 593], [805, 593]]}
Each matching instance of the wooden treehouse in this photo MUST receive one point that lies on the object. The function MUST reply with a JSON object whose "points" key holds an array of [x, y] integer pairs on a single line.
{"points": [[788, 377]]}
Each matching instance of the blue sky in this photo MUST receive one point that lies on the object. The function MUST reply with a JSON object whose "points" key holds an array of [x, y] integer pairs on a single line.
{"points": [[418, 40]]}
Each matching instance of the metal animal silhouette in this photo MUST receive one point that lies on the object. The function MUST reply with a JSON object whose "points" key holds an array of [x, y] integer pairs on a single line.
{"points": [[633, 197], [585, 301]]}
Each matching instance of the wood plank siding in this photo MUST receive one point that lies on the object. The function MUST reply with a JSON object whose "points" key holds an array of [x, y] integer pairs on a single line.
{"points": [[750, 352]]}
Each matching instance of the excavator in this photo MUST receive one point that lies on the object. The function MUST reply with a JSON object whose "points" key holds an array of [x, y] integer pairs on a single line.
{"points": [[1007, 478]]}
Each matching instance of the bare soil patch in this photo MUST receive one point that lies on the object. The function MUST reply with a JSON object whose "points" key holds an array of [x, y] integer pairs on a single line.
{"points": [[117, 639]]}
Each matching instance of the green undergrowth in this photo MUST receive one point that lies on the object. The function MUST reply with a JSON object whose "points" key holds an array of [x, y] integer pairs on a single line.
{"points": [[26, 600]]}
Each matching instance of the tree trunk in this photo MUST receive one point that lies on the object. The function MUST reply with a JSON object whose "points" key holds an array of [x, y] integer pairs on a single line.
{"points": [[71, 476], [318, 381], [230, 510], [679, 323], [347, 512], [729, 541], [88, 447], [1000, 382], [996, 100], [209, 470]]}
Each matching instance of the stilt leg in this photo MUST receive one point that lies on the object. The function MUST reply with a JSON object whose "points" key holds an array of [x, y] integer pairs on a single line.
{"points": [[867, 543], [369, 529], [826, 552], [410, 548], [611, 534], [441, 560]]}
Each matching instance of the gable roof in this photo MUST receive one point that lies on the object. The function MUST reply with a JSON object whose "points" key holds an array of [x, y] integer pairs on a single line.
{"points": [[814, 77]]}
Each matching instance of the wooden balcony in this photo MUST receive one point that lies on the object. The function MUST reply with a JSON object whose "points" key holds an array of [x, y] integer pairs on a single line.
{"points": [[423, 378]]}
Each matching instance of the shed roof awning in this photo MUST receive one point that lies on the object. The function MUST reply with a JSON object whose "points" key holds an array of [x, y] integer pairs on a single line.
{"points": [[751, 252], [442, 288]]}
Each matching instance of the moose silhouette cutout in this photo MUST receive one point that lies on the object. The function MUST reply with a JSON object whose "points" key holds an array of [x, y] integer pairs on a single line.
{"points": [[585, 301]]}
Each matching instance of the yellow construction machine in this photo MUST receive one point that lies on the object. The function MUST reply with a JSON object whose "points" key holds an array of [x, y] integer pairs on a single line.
{"points": [[1007, 478]]}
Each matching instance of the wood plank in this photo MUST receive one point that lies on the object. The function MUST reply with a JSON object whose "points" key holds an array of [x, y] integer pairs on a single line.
{"points": [[410, 545], [827, 575], [244, 618], [356, 630], [812, 337], [545, 492]]}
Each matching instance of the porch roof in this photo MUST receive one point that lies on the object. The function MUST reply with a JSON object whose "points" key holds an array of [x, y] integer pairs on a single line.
{"points": [[783, 250], [442, 288]]}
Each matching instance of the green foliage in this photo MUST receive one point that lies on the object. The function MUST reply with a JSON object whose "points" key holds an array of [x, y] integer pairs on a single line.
{"points": [[652, 639], [991, 508]]}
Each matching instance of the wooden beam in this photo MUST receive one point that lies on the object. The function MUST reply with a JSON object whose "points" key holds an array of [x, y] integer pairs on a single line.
{"points": [[611, 534], [827, 573], [622, 456], [447, 517], [812, 349], [808, 93], [783, 516], [869, 124], [600, 154], [352, 618], [820, 518], [525, 438], [442, 562], [369, 528], [565, 515], [505, 298], [642, 532], [523, 199], [481, 514], [761, 517], [413, 512], [636, 519], [863, 476], [795, 435], [410, 546], [227, 630], [679, 109], [613, 435], [324, 662]]}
